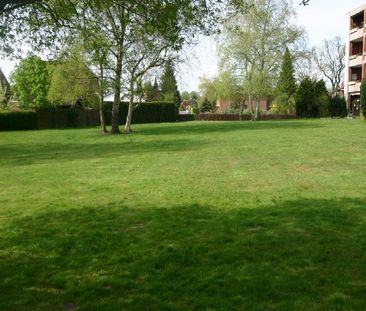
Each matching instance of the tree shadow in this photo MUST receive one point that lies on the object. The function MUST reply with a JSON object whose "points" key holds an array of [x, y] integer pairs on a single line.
{"points": [[293, 255], [203, 127], [35, 153]]}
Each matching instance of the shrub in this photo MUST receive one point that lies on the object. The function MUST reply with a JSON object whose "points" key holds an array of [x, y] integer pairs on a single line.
{"points": [[338, 107], [283, 104], [312, 99], [13, 121]]}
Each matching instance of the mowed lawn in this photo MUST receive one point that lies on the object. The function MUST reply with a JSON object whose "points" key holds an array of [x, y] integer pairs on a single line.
{"points": [[188, 216]]}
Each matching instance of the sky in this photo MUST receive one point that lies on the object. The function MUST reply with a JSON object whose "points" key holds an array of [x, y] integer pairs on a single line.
{"points": [[321, 19]]}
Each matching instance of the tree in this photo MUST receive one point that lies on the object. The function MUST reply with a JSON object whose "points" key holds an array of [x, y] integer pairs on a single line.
{"points": [[185, 95], [73, 82], [118, 22], [321, 98], [330, 58], [338, 106], [208, 106], [286, 83], [305, 98], [253, 44], [31, 82], [312, 99], [169, 85]]}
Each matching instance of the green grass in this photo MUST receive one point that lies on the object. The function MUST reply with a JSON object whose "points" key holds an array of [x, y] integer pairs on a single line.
{"points": [[190, 216]]}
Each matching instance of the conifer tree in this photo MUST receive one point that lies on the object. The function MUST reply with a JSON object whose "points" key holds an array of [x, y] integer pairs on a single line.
{"points": [[169, 86], [287, 83]]}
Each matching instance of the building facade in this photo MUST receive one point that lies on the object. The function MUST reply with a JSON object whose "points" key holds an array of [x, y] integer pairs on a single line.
{"points": [[355, 58]]}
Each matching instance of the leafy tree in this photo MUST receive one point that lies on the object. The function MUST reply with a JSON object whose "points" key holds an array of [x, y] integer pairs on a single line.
{"points": [[31, 82], [185, 95], [283, 104], [169, 86], [363, 98], [73, 82], [253, 44], [287, 83]]}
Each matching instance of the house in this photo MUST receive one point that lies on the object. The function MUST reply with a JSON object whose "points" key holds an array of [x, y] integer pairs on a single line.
{"points": [[5, 85], [355, 58], [125, 98]]}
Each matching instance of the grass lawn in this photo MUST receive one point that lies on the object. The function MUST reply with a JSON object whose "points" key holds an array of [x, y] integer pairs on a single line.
{"points": [[189, 216]]}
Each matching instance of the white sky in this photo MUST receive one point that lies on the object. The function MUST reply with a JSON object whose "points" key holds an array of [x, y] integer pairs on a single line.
{"points": [[321, 18]]}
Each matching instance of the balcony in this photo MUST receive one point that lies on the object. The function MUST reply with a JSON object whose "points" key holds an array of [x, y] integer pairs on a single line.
{"points": [[355, 60], [356, 34], [354, 86]]}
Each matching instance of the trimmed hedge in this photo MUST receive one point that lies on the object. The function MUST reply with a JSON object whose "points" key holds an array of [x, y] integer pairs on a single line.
{"points": [[154, 112], [186, 117], [64, 118], [246, 117], [14, 121]]}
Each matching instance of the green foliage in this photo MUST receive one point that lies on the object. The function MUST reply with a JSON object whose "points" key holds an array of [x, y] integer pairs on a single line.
{"points": [[31, 83], [338, 107], [363, 98], [312, 99], [321, 98], [14, 121], [185, 95], [73, 82], [208, 106], [287, 83], [169, 86], [283, 104], [151, 91]]}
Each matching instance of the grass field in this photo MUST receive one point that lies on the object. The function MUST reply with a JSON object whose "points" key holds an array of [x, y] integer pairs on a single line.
{"points": [[189, 216]]}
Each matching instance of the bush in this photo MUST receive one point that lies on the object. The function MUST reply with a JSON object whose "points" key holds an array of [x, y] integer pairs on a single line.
{"points": [[14, 121], [338, 107], [312, 99], [283, 104]]}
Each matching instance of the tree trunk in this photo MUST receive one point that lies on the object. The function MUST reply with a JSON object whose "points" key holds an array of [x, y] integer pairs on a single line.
{"points": [[117, 98], [130, 110], [241, 107], [256, 114], [103, 127]]}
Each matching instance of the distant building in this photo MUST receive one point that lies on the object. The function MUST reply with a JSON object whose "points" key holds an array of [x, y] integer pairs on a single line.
{"points": [[5, 85], [125, 98], [355, 58]]}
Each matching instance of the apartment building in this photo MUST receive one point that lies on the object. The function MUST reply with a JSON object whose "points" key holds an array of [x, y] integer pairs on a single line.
{"points": [[355, 57]]}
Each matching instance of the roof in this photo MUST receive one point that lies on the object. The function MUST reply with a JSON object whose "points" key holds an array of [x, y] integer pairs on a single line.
{"points": [[124, 98], [5, 83]]}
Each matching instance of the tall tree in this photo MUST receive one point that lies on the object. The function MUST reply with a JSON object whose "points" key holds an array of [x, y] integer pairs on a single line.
{"points": [[330, 58], [287, 83], [73, 82], [169, 85], [254, 42]]}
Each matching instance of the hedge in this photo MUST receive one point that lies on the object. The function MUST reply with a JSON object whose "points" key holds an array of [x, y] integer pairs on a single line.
{"points": [[64, 118], [13, 121], [154, 112], [246, 117], [186, 117]]}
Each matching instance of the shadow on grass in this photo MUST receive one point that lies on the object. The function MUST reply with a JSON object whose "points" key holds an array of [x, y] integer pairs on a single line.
{"points": [[203, 127], [294, 255], [32, 153]]}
